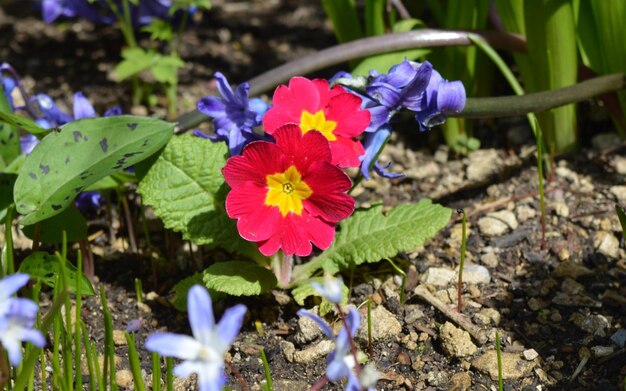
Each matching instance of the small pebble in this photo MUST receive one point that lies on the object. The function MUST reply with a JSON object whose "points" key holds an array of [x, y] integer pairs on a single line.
{"points": [[530, 354]]}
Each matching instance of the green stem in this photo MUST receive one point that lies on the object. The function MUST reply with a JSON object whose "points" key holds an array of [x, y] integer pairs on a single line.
{"points": [[499, 357], [459, 287], [8, 267]]}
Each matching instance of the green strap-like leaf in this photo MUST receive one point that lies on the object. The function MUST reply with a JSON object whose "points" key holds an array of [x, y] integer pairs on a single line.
{"points": [[22, 123], [9, 135], [369, 236], [186, 189], [81, 153]]}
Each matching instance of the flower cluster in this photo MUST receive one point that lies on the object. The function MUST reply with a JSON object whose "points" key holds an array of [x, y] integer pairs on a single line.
{"points": [[99, 11], [17, 317], [287, 187], [203, 353]]}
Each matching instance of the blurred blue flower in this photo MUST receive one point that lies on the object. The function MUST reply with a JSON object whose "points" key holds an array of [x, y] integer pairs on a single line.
{"points": [[331, 290], [373, 144], [234, 115], [17, 318], [203, 353], [341, 363], [89, 201], [28, 143]]}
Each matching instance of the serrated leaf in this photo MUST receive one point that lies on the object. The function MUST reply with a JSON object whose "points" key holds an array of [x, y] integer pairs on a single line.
{"points": [[186, 189], [165, 69], [159, 29], [238, 278], [9, 135], [81, 153], [51, 230], [22, 123], [369, 236], [45, 268]]}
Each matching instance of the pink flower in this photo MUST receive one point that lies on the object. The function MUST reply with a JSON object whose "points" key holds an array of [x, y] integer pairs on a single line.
{"points": [[287, 195], [335, 113]]}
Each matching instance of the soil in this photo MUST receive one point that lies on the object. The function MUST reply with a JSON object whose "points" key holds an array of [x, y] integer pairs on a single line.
{"points": [[558, 303]]}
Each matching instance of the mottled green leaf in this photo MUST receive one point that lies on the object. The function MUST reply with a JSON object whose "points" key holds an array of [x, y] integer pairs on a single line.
{"points": [[370, 235], [45, 268], [238, 278], [22, 123], [80, 154]]}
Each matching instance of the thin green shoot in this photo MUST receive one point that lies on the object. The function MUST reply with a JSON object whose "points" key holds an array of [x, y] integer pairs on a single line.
{"points": [[77, 320], [259, 327], [403, 274], [66, 332], [169, 373], [99, 376], [622, 218], [8, 266], [135, 364], [268, 386], [89, 356], [156, 371], [532, 119], [138, 290], [499, 356], [459, 285], [108, 372]]}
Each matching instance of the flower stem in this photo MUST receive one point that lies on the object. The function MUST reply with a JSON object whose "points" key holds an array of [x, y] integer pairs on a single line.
{"points": [[282, 266]]}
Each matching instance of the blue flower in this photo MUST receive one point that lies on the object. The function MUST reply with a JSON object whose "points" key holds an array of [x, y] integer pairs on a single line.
{"points": [[332, 290], [203, 353], [341, 363], [17, 318], [28, 143], [89, 201], [373, 144], [52, 9], [234, 115]]}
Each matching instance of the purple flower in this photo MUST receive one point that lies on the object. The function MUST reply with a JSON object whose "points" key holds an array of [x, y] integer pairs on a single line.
{"points": [[234, 115], [203, 353], [53, 9], [373, 144], [28, 143], [341, 362], [331, 290], [17, 318]]}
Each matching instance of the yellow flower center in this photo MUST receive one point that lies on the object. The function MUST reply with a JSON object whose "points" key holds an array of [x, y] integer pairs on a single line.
{"points": [[318, 122], [287, 190]]}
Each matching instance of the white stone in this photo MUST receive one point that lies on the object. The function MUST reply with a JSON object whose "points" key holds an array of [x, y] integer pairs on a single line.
{"points": [[455, 341], [384, 325], [482, 164], [619, 162], [437, 276], [530, 354], [497, 223], [619, 192], [474, 274], [525, 212], [490, 258], [606, 243]]}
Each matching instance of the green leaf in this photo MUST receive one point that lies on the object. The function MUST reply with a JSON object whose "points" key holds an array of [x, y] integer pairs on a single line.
{"points": [[375, 17], [165, 68], [159, 29], [181, 288], [45, 268], [22, 123], [6, 189], [238, 278], [369, 236], [345, 20], [80, 154], [70, 221], [186, 189], [9, 134], [136, 60]]}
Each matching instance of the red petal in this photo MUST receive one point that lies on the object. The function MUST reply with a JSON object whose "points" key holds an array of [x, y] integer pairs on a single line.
{"points": [[302, 149], [345, 110], [324, 93], [346, 152], [319, 232], [296, 233], [256, 221], [329, 199], [258, 159], [284, 110]]}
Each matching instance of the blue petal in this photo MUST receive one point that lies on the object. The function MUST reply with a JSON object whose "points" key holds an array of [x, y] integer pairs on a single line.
{"points": [[11, 284], [199, 133], [82, 107], [320, 322], [451, 96], [382, 171], [201, 316], [113, 111], [173, 345], [332, 289], [229, 326], [28, 143], [412, 94], [353, 319], [212, 106], [224, 87], [373, 144]]}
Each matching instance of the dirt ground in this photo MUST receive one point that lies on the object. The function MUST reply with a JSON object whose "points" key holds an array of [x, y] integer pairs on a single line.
{"points": [[559, 306]]}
